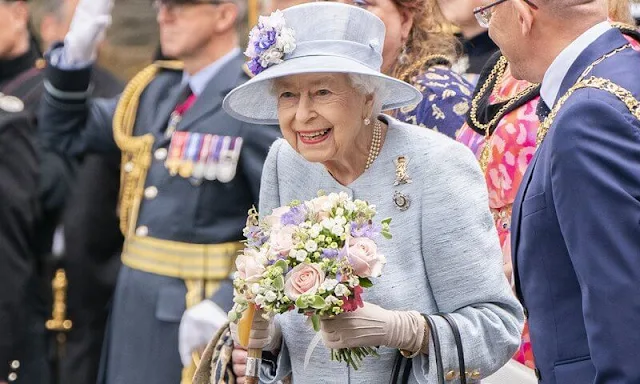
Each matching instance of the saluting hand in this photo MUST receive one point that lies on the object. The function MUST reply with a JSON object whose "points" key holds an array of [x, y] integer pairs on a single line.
{"points": [[90, 21]]}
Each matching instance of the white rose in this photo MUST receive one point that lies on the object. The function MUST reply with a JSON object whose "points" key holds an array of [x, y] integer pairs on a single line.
{"points": [[341, 290], [329, 284], [301, 255], [340, 220], [337, 230], [270, 296], [260, 300], [328, 223], [311, 246]]}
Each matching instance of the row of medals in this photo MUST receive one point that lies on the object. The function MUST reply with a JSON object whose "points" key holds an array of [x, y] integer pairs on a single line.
{"points": [[203, 156]]}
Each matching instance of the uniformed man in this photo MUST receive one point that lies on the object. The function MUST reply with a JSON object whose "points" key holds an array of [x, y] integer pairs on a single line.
{"points": [[190, 173], [89, 240], [18, 214]]}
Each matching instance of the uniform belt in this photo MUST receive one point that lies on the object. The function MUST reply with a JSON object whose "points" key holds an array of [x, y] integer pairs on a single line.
{"points": [[181, 260]]}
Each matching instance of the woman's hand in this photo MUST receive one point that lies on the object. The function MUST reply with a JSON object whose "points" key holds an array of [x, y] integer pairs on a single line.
{"points": [[265, 334], [239, 362], [372, 326]]}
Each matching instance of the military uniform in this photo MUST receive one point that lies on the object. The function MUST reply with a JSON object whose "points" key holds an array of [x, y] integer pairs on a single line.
{"points": [[190, 173], [18, 214]]}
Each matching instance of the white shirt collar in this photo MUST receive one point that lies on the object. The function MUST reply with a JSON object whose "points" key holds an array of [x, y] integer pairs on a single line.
{"points": [[199, 81], [560, 67]]}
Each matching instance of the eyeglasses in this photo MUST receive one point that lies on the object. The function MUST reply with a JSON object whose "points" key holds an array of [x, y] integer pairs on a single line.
{"points": [[174, 7], [483, 14]]}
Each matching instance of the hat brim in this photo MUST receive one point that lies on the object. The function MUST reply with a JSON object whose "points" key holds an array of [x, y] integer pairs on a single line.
{"points": [[255, 102]]}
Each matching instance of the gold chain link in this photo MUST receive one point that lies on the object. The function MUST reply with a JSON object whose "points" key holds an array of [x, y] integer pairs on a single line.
{"points": [[592, 82]]}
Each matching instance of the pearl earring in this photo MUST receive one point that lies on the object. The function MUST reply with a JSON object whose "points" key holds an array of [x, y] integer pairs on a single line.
{"points": [[367, 121]]}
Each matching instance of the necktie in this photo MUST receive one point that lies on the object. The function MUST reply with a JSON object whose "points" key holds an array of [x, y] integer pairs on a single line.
{"points": [[179, 111], [542, 110]]}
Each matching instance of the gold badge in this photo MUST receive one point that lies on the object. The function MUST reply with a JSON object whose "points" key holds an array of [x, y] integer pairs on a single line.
{"points": [[401, 171]]}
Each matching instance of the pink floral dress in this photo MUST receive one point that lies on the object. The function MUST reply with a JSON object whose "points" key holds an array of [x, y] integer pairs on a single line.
{"points": [[513, 144]]}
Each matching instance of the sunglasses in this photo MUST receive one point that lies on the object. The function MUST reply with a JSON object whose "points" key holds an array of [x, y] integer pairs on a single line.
{"points": [[483, 14]]}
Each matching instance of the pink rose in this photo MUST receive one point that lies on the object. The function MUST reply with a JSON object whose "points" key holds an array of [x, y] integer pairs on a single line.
{"points": [[250, 265], [281, 240], [364, 258], [304, 278], [274, 219]]}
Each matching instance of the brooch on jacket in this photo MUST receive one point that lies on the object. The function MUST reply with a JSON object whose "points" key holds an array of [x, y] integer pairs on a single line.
{"points": [[400, 199], [203, 156]]}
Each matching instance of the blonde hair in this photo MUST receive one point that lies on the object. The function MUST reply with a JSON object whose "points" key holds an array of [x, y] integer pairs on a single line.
{"points": [[428, 37], [620, 11]]}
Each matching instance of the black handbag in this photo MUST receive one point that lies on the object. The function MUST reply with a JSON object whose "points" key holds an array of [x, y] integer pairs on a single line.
{"points": [[402, 366]]}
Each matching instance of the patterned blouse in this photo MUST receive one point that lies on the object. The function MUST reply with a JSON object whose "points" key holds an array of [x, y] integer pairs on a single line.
{"points": [[446, 101]]}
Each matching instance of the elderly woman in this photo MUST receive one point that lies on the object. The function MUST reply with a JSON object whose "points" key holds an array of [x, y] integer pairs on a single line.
{"points": [[326, 91], [419, 51]]}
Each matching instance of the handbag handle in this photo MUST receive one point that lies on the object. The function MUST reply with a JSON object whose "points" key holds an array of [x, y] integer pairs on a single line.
{"points": [[436, 345], [456, 336]]}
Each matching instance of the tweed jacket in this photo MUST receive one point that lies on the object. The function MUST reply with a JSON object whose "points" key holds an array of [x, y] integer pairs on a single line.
{"points": [[444, 256]]}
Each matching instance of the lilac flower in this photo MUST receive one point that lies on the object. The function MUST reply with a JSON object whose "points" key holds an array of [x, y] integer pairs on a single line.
{"points": [[295, 216], [254, 66], [365, 230], [266, 39], [330, 253], [255, 237]]}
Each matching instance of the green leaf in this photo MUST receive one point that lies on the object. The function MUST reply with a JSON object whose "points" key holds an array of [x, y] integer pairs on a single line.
{"points": [[318, 302], [386, 221], [282, 264], [278, 283], [301, 303], [365, 282], [233, 316], [315, 320], [386, 235]]}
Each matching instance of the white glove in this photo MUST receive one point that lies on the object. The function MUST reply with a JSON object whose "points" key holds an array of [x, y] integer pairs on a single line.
{"points": [[198, 325], [265, 334], [90, 21], [373, 326]]}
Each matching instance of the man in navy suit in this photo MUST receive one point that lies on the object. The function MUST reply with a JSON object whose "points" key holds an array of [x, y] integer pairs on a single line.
{"points": [[576, 219]]}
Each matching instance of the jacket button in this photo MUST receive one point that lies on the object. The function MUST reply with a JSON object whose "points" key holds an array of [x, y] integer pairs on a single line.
{"points": [[160, 154], [15, 364], [150, 193], [142, 231], [450, 375], [537, 372], [13, 376], [475, 374]]}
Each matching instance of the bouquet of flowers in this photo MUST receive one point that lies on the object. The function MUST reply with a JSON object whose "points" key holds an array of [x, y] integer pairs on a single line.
{"points": [[315, 257]]}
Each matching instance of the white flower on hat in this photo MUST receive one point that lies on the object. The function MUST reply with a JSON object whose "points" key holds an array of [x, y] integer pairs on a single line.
{"points": [[269, 41]]}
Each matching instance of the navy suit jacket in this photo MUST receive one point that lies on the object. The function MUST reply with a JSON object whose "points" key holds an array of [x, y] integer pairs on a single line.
{"points": [[576, 230]]}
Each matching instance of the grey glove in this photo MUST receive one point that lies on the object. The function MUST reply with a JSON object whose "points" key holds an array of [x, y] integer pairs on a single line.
{"points": [[265, 334]]}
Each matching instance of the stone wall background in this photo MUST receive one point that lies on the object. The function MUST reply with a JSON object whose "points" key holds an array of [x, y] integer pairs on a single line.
{"points": [[131, 40]]}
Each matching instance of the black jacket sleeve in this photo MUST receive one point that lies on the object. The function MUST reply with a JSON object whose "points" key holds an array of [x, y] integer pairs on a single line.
{"points": [[18, 213]]}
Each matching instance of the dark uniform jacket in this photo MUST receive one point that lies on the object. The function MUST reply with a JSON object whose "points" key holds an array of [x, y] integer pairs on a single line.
{"points": [[18, 215]]}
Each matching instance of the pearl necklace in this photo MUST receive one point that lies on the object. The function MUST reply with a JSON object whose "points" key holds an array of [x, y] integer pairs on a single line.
{"points": [[374, 150]]}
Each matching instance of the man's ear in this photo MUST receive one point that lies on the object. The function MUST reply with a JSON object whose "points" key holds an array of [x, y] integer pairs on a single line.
{"points": [[227, 16], [525, 16]]}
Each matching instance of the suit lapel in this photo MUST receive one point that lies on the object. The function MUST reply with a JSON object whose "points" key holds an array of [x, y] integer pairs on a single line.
{"points": [[210, 101], [609, 41], [516, 219]]}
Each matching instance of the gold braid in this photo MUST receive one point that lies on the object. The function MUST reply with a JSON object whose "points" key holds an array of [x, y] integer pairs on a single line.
{"points": [[136, 150]]}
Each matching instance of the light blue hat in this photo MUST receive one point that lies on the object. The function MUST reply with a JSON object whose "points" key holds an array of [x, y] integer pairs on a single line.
{"points": [[319, 37]]}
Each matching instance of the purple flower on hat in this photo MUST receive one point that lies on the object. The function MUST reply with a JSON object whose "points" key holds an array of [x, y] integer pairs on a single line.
{"points": [[269, 41]]}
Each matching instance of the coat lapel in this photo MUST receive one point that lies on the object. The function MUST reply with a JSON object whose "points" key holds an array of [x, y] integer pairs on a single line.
{"points": [[177, 93], [606, 43], [210, 101]]}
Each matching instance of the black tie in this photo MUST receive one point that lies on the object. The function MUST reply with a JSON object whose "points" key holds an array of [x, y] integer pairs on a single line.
{"points": [[542, 110]]}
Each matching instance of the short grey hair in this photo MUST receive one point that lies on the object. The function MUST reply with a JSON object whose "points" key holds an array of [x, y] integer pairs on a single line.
{"points": [[369, 85]]}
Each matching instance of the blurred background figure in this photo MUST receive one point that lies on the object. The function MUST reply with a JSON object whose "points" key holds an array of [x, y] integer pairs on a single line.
{"points": [[419, 51], [88, 239], [477, 47]]}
